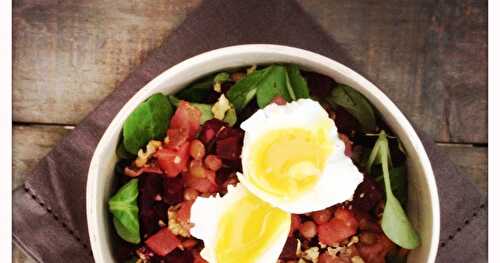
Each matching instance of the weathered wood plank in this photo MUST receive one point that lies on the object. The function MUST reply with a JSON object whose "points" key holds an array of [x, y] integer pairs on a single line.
{"points": [[69, 55], [30, 144], [470, 160], [429, 57]]}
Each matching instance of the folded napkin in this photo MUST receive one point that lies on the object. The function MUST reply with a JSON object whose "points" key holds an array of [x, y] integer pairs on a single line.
{"points": [[49, 210]]}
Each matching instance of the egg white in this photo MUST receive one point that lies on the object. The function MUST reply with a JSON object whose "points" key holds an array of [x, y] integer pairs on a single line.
{"points": [[206, 214], [338, 180]]}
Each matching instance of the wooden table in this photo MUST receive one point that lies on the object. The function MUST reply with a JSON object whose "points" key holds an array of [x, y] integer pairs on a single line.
{"points": [[429, 58]]}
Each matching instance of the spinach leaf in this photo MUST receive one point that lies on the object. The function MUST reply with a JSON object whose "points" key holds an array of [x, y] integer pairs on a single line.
{"points": [[148, 121], [399, 182], [272, 85], [356, 104], [205, 109], [243, 91], [197, 92], [297, 83], [221, 77], [395, 223], [123, 206]]}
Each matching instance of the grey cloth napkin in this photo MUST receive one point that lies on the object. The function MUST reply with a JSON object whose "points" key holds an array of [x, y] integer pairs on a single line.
{"points": [[49, 210]]}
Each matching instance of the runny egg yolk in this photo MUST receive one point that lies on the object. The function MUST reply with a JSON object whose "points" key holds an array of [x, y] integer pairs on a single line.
{"points": [[248, 228], [288, 162]]}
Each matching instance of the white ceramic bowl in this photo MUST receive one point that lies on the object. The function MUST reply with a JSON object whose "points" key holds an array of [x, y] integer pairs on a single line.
{"points": [[423, 206]]}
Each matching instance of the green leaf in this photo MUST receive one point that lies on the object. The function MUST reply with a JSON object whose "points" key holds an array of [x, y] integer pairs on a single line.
{"points": [[123, 206], [297, 82], [205, 109], [399, 183], [230, 117], [272, 85], [395, 222], [221, 77], [356, 104], [148, 121], [241, 93], [197, 92]]}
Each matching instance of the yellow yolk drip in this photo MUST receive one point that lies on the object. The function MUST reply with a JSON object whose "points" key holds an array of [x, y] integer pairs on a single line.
{"points": [[248, 228], [288, 162]]}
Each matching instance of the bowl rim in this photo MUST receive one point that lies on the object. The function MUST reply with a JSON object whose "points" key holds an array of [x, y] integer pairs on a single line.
{"points": [[422, 157]]}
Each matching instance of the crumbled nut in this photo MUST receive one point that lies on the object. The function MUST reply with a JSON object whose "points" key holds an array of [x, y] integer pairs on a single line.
{"points": [[161, 223], [311, 254], [218, 87], [177, 227], [144, 254], [335, 250], [357, 259], [354, 240], [298, 252], [220, 107], [143, 157]]}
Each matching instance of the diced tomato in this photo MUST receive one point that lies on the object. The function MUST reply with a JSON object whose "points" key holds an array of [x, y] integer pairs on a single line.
{"points": [[176, 137], [210, 176], [376, 253], [184, 213], [341, 227], [279, 100], [347, 143], [163, 242], [173, 161], [347, 216], [202, 185], [295, 224], [186, 117]]}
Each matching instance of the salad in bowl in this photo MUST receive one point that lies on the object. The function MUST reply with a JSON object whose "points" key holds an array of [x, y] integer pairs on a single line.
{"points": [[265, 163], [262, 162]]}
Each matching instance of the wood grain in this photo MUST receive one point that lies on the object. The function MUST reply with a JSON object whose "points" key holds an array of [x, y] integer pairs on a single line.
{"points": [[69, 55], [429, 57]]}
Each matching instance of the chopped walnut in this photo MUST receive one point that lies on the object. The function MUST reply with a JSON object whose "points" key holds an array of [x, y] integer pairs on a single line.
{"points": [[311, 254], [354, 240], [220, 107], [144, 254], [143, 157], [298, 252], [218, 87], [176, 226]]}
